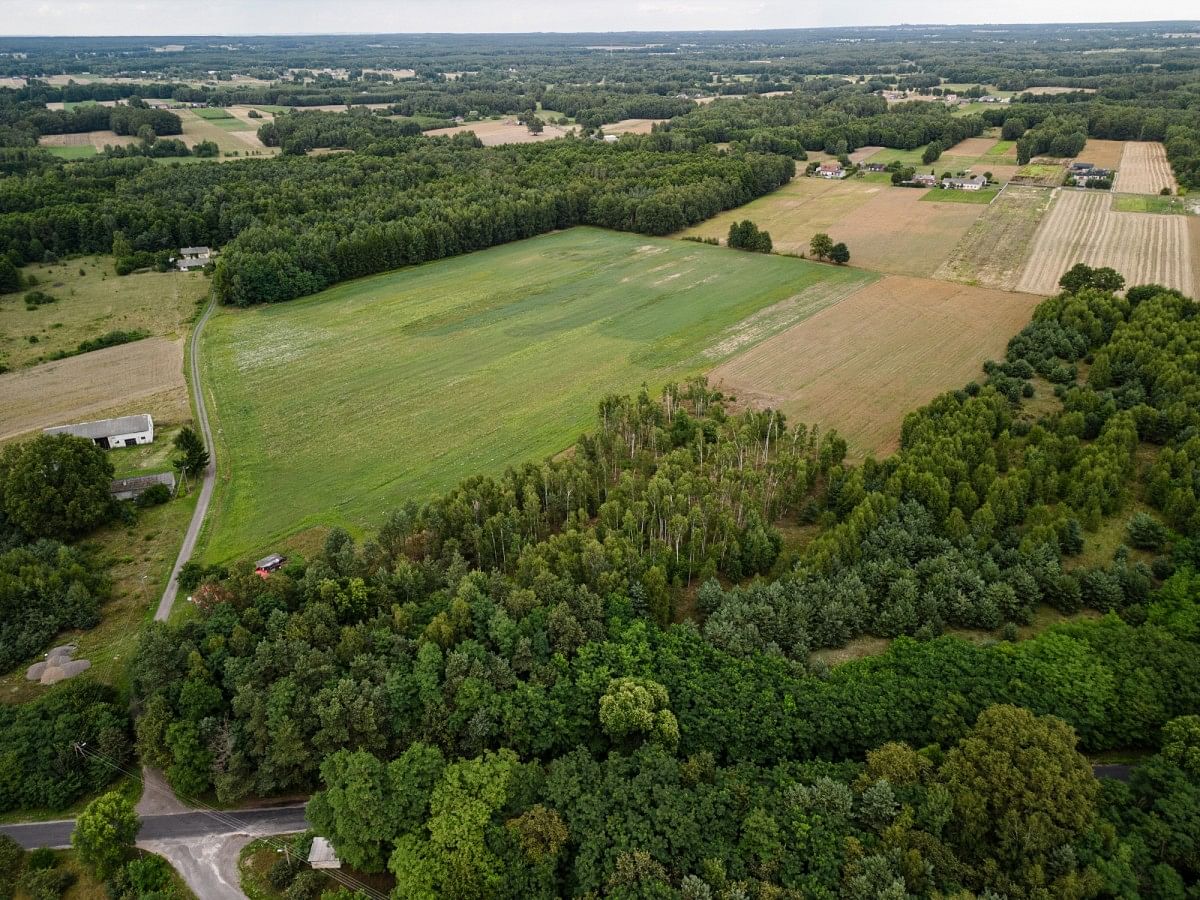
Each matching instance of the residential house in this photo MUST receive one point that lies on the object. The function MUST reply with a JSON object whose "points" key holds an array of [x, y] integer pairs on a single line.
{"points": [[831, 170], [193, 258], [970, 183]]}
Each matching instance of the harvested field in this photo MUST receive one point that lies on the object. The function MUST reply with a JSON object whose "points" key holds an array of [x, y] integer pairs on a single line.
{"points": [[145, 376], [859, 365], [863, 153], [1105, 154], [1082, 227], [1194, 245], [993, 252], [1144, 169], [243, 113], [972, 147], [495, 131], [631, 126], [895, 232], [471, 364], [1000, 173], [232, 139], [797, 211], [97, 139]]}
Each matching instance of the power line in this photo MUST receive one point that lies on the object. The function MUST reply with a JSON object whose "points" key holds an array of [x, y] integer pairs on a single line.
{"points": [[231, 822]]}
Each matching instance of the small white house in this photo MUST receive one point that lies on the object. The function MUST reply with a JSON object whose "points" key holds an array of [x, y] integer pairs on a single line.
{"points": [[974, 183], [831, 170], [127, 431]]}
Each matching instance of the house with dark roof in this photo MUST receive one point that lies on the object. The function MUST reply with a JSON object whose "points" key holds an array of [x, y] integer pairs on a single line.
{"points": [[132, 488]]}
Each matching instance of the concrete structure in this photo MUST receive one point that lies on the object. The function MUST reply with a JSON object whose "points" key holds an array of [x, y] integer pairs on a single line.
{"points": [[127, 431], [132, 488], [193, 258], [322, 856]]}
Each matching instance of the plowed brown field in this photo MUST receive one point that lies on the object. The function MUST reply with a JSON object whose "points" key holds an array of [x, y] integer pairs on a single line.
{"points": [[1082, 227], [145, 376], [1144, 170], [861, 364]]}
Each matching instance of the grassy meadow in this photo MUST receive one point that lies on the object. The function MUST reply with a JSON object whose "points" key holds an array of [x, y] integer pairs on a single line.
{"points": [[91, 300], [335, 408]]}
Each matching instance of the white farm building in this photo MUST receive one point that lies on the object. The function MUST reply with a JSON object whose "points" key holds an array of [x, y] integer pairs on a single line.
{"points": [[127, 431]]}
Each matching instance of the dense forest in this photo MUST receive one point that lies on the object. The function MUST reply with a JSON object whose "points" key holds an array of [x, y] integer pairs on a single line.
{"points": [[567, 640], [407, 200]]}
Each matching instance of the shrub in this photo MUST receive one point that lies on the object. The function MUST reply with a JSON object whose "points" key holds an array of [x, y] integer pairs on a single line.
{"points": [[155, 495], [41, 858], [46, 884], [1146, 532]]}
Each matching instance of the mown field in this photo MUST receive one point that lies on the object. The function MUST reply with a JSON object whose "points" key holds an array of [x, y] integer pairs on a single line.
{"points": [[887, 228], [994, 251], [335, 408], [861, 365]]}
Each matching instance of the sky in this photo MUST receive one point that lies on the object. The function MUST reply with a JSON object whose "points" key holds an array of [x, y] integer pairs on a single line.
{"points": [[174, 17]]}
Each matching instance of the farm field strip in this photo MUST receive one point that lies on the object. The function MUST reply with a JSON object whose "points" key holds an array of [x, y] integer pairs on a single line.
{"points": [[1105, 154], [493, 132], [145, 376], [335, 408], [858, 365], [993, 252], [1082, 227], [1144, 169]]}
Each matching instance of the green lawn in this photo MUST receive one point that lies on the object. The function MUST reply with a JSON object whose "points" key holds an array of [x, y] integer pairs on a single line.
{"points": [[83, 151], [333, 409], [1001, 151], [1148, 203], [986, 195]]}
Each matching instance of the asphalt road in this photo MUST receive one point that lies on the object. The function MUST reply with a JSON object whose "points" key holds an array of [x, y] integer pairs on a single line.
{"points": [[210, 473], [253, 822]]}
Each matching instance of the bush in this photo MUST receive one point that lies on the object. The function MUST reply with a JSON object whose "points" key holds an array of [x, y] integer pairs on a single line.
{"points": [[41, 858], [12, 858], [34, 299], [307, 885], [155, 495], [284, 872], [1146, 532], [46, 884]]}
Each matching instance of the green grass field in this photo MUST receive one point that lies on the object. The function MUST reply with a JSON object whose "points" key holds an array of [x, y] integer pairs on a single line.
{"points": [[984, 196], [334, 408], [83, 151], [1148, 203], [92, 300]]}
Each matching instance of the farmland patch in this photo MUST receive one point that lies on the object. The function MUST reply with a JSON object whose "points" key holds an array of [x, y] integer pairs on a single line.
{"points": [[993, 252], [1082, 227], [335, 408], [858, 365], [1144, 169]]}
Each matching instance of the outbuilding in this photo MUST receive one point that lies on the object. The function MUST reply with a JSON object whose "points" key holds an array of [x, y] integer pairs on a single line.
{"points": [[132, 488], [127, 431]]}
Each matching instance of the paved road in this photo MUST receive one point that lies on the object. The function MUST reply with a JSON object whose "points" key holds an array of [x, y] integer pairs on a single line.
{"points": [[192, 825], [210, 473]]}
